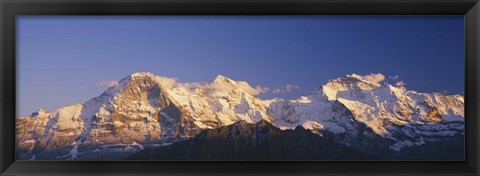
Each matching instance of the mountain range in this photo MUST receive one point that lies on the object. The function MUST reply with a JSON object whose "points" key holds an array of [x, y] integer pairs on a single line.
{"points": [[146, 116]]}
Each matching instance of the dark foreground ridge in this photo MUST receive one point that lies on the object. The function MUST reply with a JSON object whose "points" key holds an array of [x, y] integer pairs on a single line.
{"points": [[260, 141]]}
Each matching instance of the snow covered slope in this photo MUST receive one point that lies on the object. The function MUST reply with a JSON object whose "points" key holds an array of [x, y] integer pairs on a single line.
{"points": [[140, 110], [145, 109], [346, 104], [219, 103]]}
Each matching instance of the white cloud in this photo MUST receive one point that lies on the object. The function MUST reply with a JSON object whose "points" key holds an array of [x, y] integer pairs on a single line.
{"points": [[393, 77], [112, 83], [286, 88], [257, 90], [190, 86], [290, 87], [82, 87], [374, 78], [166, 82], [277, 91], [171, 83], [251, 90], [400, 84]]}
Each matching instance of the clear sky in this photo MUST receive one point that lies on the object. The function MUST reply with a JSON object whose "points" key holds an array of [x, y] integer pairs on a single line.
{"points": [[61, 60]]}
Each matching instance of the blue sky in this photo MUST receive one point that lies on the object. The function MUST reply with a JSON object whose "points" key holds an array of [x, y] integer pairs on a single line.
{"points": [[61, 60]]}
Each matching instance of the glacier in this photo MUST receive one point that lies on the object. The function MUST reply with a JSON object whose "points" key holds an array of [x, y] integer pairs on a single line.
{"points": [[145, 110]]}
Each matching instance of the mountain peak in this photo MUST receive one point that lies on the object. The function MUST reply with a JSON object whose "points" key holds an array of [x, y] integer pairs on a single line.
{"points": [[142, 74], [349, 83], [136, 75], [220, 79], [123, 83], [144, 108], [374, 79], [355, 76], [39, 112], [355, 80]]}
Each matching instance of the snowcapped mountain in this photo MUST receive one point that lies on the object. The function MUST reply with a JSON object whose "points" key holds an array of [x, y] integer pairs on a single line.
{"points": [[145, 110], [221, 102], [137, 110], [345, 105]]}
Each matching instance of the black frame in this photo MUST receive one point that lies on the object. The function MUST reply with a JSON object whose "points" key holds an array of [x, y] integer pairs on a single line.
{"points": [[10, 8]]}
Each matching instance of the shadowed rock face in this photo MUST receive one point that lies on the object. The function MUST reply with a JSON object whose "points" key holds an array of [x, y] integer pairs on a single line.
{"points": [[140, 112], [376, 119], [260, 141], [143, 112], [263, 141]]}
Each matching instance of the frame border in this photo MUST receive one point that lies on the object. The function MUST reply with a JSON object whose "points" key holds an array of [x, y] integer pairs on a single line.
{"points": [[10, 8]]}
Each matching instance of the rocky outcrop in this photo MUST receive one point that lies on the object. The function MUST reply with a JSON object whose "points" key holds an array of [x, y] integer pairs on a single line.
{"points": [[147, 110]]}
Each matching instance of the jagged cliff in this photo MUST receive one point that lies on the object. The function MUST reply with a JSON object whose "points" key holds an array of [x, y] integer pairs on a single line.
{"points": [[144, 111]]}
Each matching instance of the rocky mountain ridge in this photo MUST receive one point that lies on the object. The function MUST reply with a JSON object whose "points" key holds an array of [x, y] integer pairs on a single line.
{"points": [[145, 110]]}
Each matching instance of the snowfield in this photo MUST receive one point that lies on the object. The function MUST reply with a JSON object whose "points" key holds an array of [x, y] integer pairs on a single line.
{"points": [[146, 110]]}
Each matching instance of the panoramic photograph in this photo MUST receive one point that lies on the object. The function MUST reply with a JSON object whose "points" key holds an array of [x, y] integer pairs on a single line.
{"points": [[240, 88]]}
